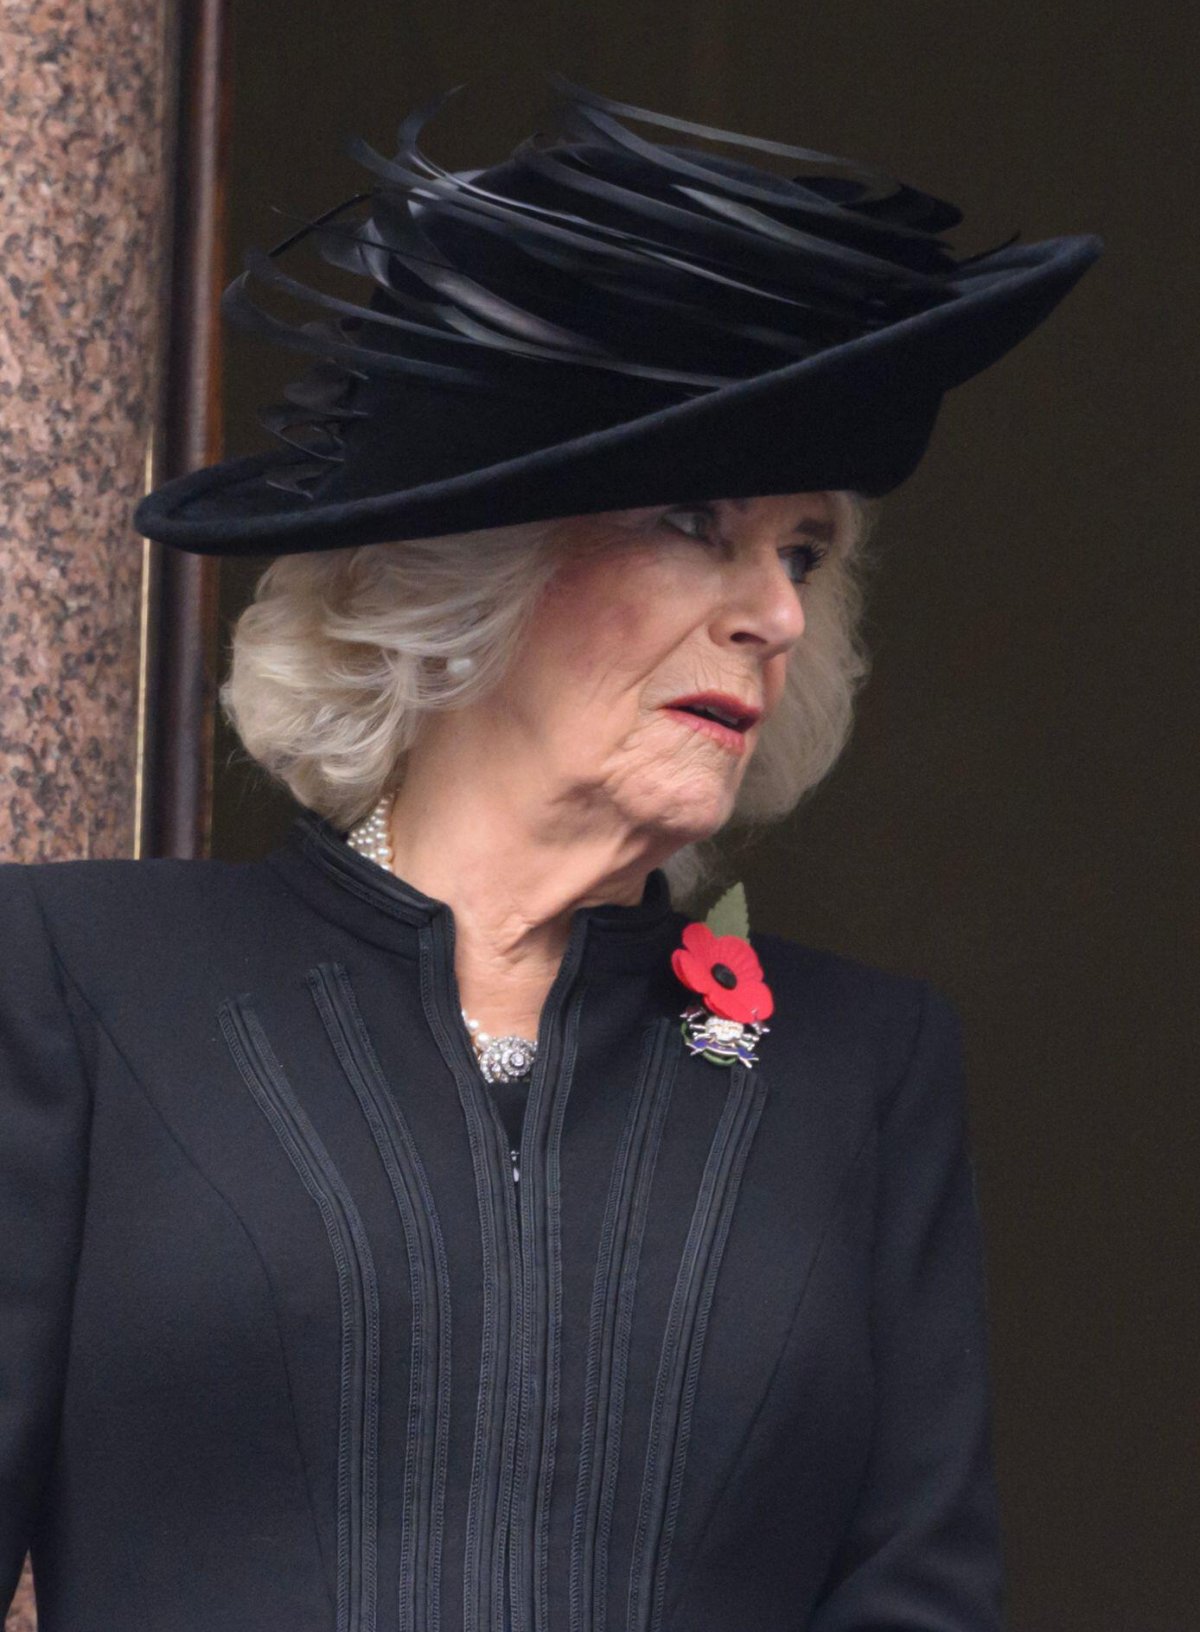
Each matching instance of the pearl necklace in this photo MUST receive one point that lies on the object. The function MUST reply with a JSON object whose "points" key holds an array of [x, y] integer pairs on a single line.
{"points": [[501, 1059]]}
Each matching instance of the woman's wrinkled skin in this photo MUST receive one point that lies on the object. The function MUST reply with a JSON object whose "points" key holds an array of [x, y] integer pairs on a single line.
{"points": [[566, 783]]}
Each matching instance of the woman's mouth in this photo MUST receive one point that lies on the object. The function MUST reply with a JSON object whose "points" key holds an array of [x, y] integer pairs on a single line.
{"points": [[718, 715]]}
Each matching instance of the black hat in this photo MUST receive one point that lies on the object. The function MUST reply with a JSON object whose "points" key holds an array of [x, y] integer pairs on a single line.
{"points": [[602, 322]]}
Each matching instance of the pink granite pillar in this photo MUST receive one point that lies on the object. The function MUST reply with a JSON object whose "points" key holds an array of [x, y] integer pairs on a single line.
{"points": [[84, 161]]}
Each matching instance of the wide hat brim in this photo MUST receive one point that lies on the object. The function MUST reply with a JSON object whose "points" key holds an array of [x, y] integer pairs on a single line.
{"points": [[554, 421], [856, 416]]}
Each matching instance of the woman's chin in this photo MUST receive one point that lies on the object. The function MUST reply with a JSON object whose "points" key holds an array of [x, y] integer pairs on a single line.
{"points": [[689, 816]]}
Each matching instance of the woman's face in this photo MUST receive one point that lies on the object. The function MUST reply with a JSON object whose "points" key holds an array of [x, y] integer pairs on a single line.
{"points": [[655, 615]]}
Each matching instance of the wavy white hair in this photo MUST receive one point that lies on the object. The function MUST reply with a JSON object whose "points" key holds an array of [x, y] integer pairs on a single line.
{"points": [[342, 653]]}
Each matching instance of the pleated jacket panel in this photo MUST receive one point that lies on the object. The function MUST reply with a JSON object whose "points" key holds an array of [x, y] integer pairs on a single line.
{"points": [[287, 1345]]}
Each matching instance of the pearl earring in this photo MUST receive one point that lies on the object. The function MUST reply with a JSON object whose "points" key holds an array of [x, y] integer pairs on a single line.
{"points": [[460, 667]]}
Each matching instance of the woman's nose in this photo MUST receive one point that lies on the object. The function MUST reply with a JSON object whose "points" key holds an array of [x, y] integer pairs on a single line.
{"points": [[761, 605]]}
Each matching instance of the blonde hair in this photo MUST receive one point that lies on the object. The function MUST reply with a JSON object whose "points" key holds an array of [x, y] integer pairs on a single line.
{"points": [[342, 654]]}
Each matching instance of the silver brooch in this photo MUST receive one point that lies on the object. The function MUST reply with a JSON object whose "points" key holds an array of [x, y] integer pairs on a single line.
{"points": [[722, 1041]]}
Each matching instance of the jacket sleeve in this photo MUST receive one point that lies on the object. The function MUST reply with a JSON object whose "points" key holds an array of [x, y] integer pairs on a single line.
{"points": [[923, 1553], [44, 1124]]}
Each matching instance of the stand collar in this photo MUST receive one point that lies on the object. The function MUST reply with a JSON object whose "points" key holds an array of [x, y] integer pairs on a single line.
{"points": [[340, 884]]}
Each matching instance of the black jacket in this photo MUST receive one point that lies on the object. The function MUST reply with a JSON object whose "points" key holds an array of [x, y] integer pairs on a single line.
{"points": [[284, 1348]]}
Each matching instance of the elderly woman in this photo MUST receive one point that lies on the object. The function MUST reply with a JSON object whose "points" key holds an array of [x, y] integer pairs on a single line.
{"points": [[429, 1226]]}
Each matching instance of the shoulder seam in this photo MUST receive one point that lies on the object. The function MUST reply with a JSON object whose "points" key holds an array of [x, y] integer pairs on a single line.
{"points": [[63, 979], [923, 994]]}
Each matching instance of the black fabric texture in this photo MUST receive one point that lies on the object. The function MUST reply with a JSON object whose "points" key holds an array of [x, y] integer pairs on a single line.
{"points": [[283, 1346]]}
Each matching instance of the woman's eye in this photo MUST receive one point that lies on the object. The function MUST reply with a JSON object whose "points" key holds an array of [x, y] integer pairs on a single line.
{"points": [[700, 517], [803, 562]]}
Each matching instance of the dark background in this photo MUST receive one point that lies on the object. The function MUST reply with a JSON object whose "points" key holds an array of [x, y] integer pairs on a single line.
{"points": [[1014, 816]]}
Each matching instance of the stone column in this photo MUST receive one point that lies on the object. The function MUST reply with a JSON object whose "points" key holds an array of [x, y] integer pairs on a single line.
{"points": [[84, 160], [86, 107]]}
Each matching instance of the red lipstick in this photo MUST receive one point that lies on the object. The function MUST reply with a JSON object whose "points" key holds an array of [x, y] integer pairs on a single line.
{"points": [[718, 714]]}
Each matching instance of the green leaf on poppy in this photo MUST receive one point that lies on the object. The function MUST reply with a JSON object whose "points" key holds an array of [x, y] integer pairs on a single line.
{"points": [[730, 915]]}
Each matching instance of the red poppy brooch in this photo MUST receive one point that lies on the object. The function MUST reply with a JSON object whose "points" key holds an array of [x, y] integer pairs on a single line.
{"points": [[724, 971]]}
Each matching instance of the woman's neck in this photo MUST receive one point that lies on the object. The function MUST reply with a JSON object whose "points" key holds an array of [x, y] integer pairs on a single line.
{"points": [[513, 864]]}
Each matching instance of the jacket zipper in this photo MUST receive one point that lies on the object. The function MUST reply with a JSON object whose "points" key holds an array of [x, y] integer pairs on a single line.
{"points": [[523, 1611], [511, 1574]]}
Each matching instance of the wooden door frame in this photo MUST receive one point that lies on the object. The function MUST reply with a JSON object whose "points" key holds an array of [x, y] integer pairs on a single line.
{"points": [[179, 621]]}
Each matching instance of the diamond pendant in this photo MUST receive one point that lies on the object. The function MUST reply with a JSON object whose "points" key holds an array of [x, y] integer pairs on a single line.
{"points": [[506, 1059]]}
